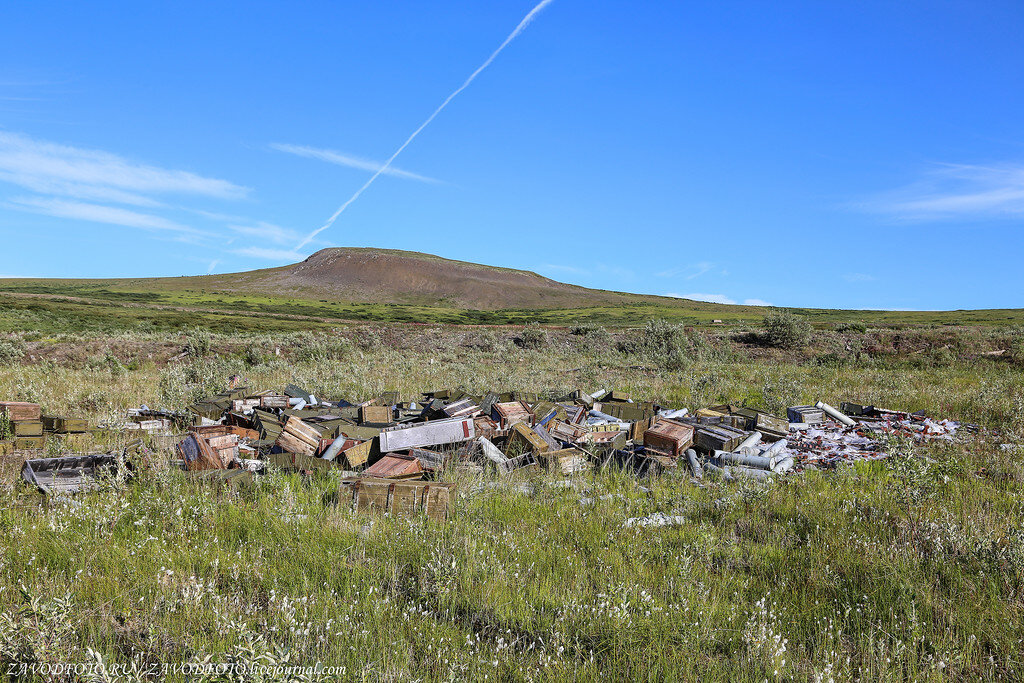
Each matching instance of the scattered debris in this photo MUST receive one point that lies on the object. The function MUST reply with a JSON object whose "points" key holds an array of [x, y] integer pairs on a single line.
{"points": [[71, 474], [394, 451]]}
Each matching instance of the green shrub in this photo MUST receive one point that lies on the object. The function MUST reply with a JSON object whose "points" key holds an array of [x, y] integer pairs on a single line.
{"points": [[671, 346], [484, 340], [254, 355], [595, 336], [852, 326], [785, 330], [11, 351], [197, 343], [1015, 350], [320, 348], [533, 336]]}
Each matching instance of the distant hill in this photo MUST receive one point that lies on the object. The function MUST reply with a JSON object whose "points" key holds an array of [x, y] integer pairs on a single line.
{"points": [[405, 277], [383, 285]]}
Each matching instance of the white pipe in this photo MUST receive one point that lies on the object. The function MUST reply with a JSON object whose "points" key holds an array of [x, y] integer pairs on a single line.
{"points": [[750, 441], [834, 414]]}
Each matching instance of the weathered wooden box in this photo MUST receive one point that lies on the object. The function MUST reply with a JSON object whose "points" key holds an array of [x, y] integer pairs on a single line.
{"points": [[27, 428], [507, 414], [669, 436], [65, 425], [376, 415], [17, 411], [806, 414], [404, 498], [718, 437]]}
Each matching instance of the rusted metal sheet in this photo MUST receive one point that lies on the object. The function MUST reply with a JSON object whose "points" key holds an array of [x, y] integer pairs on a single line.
{"points": [[507, 414], [669, 436], [403, 498], [434, 433], [395, 466]]}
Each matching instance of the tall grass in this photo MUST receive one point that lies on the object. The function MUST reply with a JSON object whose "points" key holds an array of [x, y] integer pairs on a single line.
{"points": [[912, 568]]}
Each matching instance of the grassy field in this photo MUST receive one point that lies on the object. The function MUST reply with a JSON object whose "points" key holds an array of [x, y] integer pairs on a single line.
{"points": [[905, 569], [177, 303]]}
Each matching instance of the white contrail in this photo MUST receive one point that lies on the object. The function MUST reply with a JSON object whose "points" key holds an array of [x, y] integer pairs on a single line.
{"points": [[387, 164]]}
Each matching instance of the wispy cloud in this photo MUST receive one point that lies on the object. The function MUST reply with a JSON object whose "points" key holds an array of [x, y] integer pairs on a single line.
{"points": [[54, 169], [956, 191], [858, 277], [284, 255], [342, 159], [689, 272], [266, 231], [97, 213], [573, 270], [717, 299], [709, 298], [213, 264]]}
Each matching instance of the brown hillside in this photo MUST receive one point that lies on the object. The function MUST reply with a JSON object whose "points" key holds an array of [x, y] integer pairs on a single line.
{"points": [[386, 276]]}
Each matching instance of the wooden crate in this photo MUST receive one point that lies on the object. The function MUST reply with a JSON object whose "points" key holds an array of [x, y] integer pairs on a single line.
{"points": [[527, 438], [378, 415], [29, 443], [711, 438], [27, 428], [17, 411], [65, 425], [405, 498], [507, 414], [669, 436], [807, 414], [568, 461]]}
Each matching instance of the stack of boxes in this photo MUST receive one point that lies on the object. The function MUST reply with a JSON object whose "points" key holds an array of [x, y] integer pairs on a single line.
{"points": [[24, 425]]}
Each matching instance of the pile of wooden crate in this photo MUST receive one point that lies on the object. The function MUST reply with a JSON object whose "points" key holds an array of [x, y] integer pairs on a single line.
{"points": [[23, 427]]}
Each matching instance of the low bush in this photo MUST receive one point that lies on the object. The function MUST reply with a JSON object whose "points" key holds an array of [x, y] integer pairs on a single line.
{"points": [[784, 330]]}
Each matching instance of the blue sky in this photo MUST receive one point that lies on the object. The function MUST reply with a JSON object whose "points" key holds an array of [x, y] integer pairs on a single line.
{"points": [[853, 155]]}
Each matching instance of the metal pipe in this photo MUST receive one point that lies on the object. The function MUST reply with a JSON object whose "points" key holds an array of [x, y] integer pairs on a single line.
{"points": [[695, 466], [332, 451], [718, 471], [758, 461], [749, 473], [750, 441], [834, 414], [784, 465], [776, 449]]}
